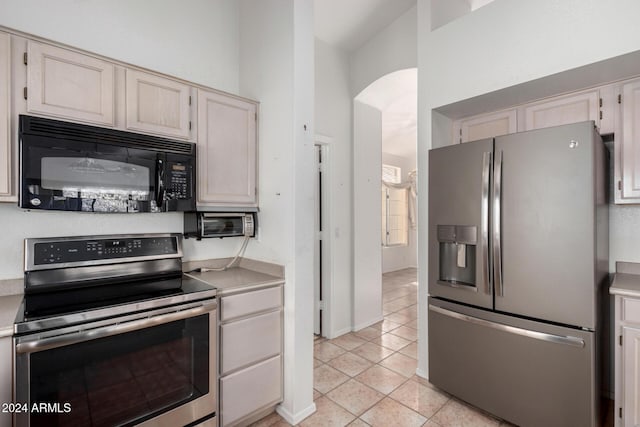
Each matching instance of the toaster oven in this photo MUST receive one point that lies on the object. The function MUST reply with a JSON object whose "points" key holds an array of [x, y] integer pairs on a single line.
{"points": [[219, 224]]}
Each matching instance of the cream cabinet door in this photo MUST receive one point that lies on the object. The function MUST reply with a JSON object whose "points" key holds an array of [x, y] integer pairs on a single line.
{"points": [[70, 85], [485, 126], [629, 154], [631, 377], [226, 150], [6, 158], [157, 105], [251, 390], [563, 110]]}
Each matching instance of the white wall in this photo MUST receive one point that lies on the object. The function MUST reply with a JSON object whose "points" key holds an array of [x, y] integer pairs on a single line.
{"points": [[195, 40], [504, 46], [506, 43], [398, 257], [333, 116], [367, 175], [393, 49], [445, 11], [276, 67]]}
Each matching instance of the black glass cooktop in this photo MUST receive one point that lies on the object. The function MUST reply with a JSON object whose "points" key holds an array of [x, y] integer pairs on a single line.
{"points": [[97, 302]]}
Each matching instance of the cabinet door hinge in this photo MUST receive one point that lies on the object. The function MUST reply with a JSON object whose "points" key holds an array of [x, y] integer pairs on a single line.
{"points": [[322, 305], [24, 92], [600, 102], [619, 98], [189, 99], [620, 339], [25, 57], [256, 117], [600, 114], [189, 125], [620, 412], [620, 185]]}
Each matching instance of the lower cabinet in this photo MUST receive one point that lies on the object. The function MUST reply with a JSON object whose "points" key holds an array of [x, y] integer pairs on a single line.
{"points": [[250, 390], [627, 405], [250, 355]]}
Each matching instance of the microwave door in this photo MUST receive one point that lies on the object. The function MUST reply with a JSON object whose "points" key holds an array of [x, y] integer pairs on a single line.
{"points": [[104, 180]]}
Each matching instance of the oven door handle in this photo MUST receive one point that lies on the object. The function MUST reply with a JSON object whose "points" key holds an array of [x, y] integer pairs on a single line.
{"points": [[118, 328]]}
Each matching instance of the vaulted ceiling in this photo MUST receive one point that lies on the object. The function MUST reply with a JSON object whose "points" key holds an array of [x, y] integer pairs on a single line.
{"points": [[348, 24]]}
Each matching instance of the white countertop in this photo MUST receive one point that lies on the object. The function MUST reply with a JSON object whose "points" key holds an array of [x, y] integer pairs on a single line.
{"points": [[9, 305], [627, 280], [626, 284], [236, 279]]}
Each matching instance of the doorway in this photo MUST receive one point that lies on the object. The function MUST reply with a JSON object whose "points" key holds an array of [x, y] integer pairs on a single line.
{"points": [[385, 136], [322, 244]]}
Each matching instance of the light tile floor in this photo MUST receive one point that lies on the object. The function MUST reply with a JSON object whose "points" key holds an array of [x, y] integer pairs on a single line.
{"points": [[367, 378]]}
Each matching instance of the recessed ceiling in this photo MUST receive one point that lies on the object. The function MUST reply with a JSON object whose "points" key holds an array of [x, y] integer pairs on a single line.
{"points": [[348, 24]]}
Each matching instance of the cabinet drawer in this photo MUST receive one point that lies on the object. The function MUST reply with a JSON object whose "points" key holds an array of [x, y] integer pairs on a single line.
{"points": [[249, 340], [250, 390], [250, 302], [631, 310]]}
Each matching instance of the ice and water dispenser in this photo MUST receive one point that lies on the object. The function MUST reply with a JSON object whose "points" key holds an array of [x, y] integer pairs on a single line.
{"points": [[457, 245]]}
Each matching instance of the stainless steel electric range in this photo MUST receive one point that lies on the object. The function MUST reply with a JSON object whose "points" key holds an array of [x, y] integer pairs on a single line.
{"points": [[111, 333]]}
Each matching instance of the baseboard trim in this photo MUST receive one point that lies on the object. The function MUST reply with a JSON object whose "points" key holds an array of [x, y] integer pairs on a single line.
{"points": [[336, 334], [422, 374], [367, 323], [295, 419]]}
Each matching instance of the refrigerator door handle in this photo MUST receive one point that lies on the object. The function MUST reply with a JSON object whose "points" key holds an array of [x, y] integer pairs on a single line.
{"points": [[484, 221], [557, 339], [497, 251]]}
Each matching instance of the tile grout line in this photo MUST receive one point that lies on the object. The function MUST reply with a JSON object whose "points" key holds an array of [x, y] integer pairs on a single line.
{"points": [[394, 352]]}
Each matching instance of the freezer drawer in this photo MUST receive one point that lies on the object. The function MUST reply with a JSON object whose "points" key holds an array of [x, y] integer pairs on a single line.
{"points": [[528, 373]]}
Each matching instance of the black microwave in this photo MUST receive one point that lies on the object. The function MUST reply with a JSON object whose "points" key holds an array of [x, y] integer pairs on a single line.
{"points": [[73, 167]]}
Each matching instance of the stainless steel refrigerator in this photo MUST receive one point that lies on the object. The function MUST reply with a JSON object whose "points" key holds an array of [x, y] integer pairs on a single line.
{"points": [[518, 254]]}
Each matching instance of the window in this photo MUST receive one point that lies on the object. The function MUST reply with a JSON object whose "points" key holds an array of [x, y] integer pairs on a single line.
{"points": [[391, 174], [395, 209]]}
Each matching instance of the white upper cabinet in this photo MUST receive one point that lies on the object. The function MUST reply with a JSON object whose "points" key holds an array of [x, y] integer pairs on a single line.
{"points": [[6, 158], [563, 110], [226, 150], [70, 85], [486, 126], [628, 146], [157, 105]]}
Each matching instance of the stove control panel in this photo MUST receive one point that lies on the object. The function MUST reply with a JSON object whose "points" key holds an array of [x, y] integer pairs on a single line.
{"points": [[71, 250]]}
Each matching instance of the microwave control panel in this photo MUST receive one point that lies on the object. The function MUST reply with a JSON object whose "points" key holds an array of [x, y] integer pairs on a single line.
{"points": [[68, 251], [179, 180]]}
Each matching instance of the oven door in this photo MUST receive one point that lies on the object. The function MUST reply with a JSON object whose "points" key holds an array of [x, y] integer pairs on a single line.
{"points": [[152, 368]]}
